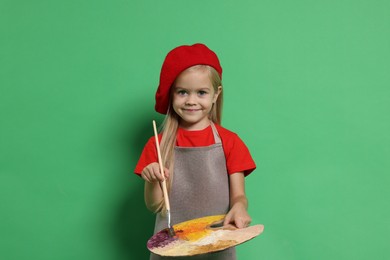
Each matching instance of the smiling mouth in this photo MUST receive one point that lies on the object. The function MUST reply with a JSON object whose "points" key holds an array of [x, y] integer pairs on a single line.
{"points": [[191, 110]]}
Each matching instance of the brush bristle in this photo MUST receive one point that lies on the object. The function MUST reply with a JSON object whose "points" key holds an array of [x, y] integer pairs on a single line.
{"points": [[171, 232]]}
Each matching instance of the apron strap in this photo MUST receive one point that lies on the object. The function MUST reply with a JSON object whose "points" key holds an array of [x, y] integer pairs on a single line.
{"points": [[215, 133]]}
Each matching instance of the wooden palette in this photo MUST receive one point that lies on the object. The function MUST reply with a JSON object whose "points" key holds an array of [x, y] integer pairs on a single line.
{"points": [[200, 236]]}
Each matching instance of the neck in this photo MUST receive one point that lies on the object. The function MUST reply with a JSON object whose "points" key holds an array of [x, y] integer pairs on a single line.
{"points": [[194, 127]]}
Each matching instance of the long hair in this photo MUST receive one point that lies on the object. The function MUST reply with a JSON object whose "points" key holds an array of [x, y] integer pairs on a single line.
{"points": [[172, 120]]}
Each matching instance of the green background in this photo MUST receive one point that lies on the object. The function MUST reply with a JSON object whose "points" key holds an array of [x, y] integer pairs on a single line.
{"points": [[306, 87]]}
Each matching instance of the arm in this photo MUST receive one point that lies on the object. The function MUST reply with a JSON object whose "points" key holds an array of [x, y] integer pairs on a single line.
{"points": [[153, 191], [238, 213]]}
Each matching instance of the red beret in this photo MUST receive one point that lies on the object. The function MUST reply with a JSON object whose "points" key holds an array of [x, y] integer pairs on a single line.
{"points": [[176, 61]]}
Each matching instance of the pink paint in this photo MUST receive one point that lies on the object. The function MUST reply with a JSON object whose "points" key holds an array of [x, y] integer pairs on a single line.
{"points": [[161, 239]]}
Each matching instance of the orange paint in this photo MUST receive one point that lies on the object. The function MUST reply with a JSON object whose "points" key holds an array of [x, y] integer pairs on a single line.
{"points": [[195, 229]]}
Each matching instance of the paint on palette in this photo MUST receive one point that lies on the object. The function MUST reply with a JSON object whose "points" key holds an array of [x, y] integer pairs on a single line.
{"points": [[199, 236], [161, 239]]}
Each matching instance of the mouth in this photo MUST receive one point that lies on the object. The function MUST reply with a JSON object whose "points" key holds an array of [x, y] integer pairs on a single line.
{"points": [[190, 110]]}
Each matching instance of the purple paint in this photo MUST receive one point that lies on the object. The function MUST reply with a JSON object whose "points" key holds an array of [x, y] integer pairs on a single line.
{"points": [[160, 239]]}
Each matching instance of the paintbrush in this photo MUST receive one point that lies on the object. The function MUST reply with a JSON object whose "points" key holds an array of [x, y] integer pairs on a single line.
{"points": [[171, 231]]}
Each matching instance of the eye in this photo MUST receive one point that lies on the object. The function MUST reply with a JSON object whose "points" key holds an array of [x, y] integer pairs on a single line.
{"points": [[202, 92], [181, 92]]}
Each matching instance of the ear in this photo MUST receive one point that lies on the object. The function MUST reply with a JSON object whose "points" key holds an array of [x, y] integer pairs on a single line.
{"points": [[219, 90]]}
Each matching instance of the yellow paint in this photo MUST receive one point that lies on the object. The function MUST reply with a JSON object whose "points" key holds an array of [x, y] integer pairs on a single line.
{"points": [[196, 229]]}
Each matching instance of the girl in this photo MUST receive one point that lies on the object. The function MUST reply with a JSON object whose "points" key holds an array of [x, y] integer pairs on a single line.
{"points": [[205, 164]]}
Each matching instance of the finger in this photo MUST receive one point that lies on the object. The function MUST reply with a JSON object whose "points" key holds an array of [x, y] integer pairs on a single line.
{"points": [[158, 175], [240, 223], [245, 223], [155, 172], [152, 175], [166, 173], [145, 176], [227, 220]]}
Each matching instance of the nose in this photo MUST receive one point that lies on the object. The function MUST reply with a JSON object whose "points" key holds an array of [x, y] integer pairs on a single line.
{"points": [[191, 100]]}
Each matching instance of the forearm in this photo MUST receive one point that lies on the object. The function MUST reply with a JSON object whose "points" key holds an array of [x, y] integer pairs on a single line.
{"points": [[240, 201], [153, 196], [238, 213], [237, 191]]}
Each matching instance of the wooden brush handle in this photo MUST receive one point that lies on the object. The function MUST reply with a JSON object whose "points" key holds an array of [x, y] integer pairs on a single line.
{"points": [[163, 184]]}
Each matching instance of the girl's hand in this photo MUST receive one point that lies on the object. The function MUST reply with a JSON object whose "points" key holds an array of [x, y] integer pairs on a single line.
{"points": [[238, 215], [151, 173]]}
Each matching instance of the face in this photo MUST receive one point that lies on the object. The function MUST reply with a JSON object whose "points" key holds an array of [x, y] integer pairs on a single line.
{"points": [[193, 98]]}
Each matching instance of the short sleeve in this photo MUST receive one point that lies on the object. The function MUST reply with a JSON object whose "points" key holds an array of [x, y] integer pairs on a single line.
{"points": [[238, 157], [148, 156]]}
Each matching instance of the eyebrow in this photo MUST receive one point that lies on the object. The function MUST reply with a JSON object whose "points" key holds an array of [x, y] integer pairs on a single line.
{"points": [[183, 88]]}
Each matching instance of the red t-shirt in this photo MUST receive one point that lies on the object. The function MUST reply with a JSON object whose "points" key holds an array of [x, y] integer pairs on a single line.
{"points": [[238, 158]]}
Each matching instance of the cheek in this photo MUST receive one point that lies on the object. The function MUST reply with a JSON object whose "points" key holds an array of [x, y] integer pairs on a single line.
{"points": [[213, 99], [176, 100]]}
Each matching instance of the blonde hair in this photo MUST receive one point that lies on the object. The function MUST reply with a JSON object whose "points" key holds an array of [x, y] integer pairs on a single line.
{"points": [[171, 124]]}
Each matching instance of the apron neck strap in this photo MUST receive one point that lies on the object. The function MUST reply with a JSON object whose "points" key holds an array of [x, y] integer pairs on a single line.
{"points": [[215, 133]]}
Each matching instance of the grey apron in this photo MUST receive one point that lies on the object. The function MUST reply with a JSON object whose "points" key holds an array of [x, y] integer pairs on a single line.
{"points": [[200, 188]]}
